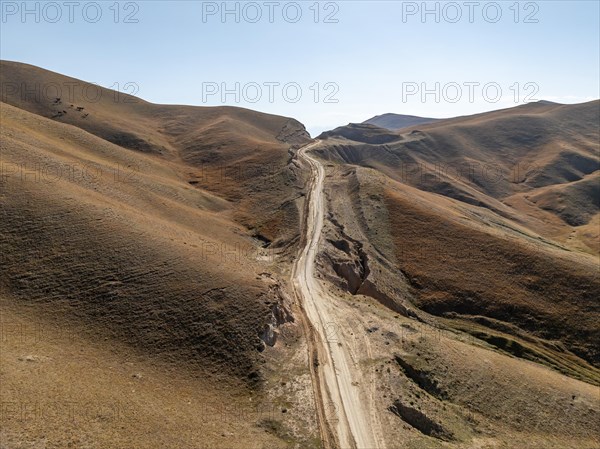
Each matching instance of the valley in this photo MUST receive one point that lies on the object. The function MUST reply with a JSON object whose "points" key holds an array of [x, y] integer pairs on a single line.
{"points": [[214, 277]]}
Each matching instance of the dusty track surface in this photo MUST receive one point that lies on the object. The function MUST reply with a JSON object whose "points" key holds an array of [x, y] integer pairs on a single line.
{"points": [[346, 413]]}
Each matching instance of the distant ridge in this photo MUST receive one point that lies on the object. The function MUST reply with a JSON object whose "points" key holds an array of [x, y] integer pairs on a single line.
{"points": [[398, 121]]}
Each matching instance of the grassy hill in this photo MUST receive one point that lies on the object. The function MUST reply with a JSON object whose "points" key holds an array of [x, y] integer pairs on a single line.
{"points": [[152, 235], [491, 217]]}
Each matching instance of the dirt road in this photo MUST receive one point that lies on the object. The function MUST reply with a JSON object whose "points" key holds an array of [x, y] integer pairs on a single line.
{"points": [[345, 411]]}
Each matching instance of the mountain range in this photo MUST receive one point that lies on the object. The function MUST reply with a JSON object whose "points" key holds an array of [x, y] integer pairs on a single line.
{"points": [[149, 255]]}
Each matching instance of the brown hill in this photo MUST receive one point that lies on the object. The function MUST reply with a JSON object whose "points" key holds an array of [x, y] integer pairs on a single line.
{"points": [[491, 159], [230, 151], [396, 122], [491, 218], [149, 234]]}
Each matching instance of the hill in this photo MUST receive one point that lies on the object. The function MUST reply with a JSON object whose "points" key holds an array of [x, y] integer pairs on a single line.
{"points": [[152, 238], [490, 218], [226, 150], [395, 122]]}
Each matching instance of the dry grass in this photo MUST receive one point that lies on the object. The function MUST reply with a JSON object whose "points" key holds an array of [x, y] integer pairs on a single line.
{"points": [[485, 288], [142, 230], [456, 267]]}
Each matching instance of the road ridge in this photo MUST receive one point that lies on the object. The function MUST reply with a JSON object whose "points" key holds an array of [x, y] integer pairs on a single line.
{"points": [[336, 389]]}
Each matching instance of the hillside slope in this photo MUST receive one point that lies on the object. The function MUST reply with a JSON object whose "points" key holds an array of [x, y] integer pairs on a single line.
{"points": [[491, 218], [146, 233], [229, 151], [495, 160]]}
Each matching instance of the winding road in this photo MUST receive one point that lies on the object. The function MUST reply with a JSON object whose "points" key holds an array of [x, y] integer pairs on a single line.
{"points": [[345, 416]]}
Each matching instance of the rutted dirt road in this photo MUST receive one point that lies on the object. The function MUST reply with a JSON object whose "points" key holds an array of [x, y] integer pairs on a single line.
{"points": [[345, 412]]}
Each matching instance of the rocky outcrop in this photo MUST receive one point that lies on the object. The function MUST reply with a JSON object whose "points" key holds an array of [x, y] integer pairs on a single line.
{"points": [[345, 263], [280, 314], [293, 133], [420, 421]]}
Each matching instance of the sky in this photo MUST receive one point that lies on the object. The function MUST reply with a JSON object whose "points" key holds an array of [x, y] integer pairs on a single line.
{"points": [[323, 63]]}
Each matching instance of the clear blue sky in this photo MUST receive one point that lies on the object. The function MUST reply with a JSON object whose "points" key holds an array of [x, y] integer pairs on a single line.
{"points": [[377, 59]]}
